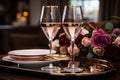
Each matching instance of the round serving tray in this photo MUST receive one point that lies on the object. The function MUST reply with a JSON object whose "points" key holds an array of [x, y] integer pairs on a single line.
{"points": [[91, 67]]}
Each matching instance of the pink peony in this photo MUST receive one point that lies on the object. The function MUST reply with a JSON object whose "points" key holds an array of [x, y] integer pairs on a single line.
{"points": [[98, 51], [99, 38], [76, 50], [85, 41], [117, 41]]}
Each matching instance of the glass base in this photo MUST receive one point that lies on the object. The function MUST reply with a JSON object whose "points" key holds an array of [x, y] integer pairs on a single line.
{"points": [[73, 69], [51, 68]]}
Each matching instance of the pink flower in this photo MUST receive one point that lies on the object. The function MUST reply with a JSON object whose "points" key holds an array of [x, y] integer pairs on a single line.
{"points": [[85, 41], [116, 31], [99, 38], [55, 45], [63, 50], [98, 51], [117, 41], [84, 31], [76, 50]]}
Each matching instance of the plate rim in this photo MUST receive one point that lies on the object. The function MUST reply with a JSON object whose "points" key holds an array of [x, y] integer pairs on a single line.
{"points": [[16, 52], [8, 59]]}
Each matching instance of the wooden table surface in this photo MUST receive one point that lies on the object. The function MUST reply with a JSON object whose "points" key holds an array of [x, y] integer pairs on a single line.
{"points": [[11, 75]]}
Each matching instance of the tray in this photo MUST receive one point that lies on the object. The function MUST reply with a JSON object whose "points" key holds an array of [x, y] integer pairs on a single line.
{"points": [[91, 66]]}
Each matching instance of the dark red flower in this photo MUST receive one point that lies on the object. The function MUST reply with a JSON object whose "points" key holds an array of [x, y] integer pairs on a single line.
{"points": [[92, 25], [78, 39], [111, 50], [63, 40]]}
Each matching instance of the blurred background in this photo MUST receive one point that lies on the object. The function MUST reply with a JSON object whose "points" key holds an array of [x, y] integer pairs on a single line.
{"points": [[19, 20], [26, 12]]}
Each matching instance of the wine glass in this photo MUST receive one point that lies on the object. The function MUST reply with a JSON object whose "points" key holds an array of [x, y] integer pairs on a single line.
{"points": [[72, 20], [50, 23]]}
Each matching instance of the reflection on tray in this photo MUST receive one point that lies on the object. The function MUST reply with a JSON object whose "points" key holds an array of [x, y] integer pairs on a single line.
{"points": [[90, 66]]}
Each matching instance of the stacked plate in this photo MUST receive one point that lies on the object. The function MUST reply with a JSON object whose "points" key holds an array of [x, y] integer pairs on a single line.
{"points": [[27, 56]]}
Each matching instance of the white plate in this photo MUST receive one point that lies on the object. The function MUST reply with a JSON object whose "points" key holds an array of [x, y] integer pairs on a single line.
{"points": [[9, 59], [31, 52]]}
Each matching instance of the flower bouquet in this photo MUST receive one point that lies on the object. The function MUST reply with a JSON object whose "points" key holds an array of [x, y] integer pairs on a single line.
{"points": [[92, 41]]}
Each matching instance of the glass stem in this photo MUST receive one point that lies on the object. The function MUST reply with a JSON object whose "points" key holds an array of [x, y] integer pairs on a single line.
{"points": [[50, 45], [50, 42], [73, 58]]}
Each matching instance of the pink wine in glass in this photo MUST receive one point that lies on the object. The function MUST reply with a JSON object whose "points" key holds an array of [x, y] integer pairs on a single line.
{"points": [[72, 29], [50, 29]]}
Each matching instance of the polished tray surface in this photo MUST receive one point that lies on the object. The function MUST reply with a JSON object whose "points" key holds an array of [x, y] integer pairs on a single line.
{"points": [[91, 67]]}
